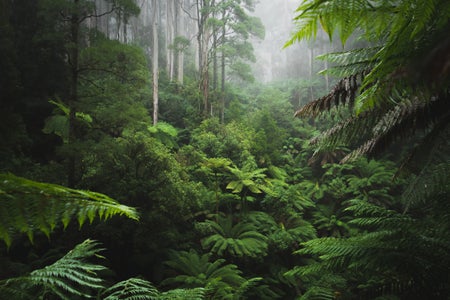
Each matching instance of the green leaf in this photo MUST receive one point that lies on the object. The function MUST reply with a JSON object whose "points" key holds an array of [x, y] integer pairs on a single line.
{"points": [[29, 206]]}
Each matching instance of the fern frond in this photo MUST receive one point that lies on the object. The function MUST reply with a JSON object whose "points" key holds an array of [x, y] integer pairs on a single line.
{"points": [[348, 63], [131, 289], [183, 294], [404, 120], [240, 239], [215, 277], [71, 275], [28, 206], [344, 92]]}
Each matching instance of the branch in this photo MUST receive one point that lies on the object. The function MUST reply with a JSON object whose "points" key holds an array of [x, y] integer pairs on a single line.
{"points": [[113, 8]]}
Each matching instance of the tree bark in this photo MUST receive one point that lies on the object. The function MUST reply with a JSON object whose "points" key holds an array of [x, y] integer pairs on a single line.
{"points": [[170, 35], [180, 52], [73, 95], [155, 58]]}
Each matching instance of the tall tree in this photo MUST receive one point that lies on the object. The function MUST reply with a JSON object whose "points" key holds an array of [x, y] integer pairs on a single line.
{"points": [[73, 16], [203, 13], [171, 24], [155, 60]]}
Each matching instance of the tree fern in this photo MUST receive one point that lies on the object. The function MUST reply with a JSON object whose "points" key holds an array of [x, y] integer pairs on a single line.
{"points": [[28, 206], [131, 289], [183, 294], [194, 270], [140, 289], [396, 87], [72, 275], [240, 239], [393, 253], [332, 16]]}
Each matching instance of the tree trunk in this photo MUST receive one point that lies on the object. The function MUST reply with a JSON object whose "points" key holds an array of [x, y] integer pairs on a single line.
{"points": [[170, 35], [311, 71], [155, 58], [180, 52], [222, 83], [73, 96]]}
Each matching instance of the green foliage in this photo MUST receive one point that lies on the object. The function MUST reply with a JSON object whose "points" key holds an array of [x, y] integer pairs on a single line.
{"points": [[140, 289], [220, 280], [72, 275], [131, 289], [238, 240], [182, 294], [59, 122], [30, 206], [390, 93], [390, 254], [165, 133]]}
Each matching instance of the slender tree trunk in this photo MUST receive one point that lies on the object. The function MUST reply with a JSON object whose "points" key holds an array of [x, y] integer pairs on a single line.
{"points": [[214, 51], [180, 52], [170, 35], [311, 71], [203, 39], [222, 78], [73, 96], [327, 79], [125, 24], [155, 61]]}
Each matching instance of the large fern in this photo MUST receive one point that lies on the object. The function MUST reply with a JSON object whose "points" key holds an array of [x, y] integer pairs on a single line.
{"points": [[72, 275], [238, 240], [393, 253], [140, 289], [28, 206], [394, 88], [220, 280]]}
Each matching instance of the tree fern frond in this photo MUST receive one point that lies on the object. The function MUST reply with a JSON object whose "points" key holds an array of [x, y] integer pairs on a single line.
{"points": [[240, 239], [348, 63], [131, 289], [401, 122], [344, 92], [71, 275], [345, 131], [197, 271], [29, 206], [306, 23], [183, 294]]}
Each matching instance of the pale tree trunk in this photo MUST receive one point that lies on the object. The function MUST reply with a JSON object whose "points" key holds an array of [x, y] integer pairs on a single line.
{"points": [[180, 52], [311, 70], [155, 58], [222, 83], [203, 39], [214, 51], [205, 71], [327, 79], [170, 35]]}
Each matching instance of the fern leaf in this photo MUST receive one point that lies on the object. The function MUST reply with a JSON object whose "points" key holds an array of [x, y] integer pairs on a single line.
{"points": [[28, 206], [132, 289], [72, 275]]}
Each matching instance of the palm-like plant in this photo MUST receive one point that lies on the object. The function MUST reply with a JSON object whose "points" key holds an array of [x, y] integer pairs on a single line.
{"points": [[137, 288], [400, 254], [238, 240], [220, 280], [246, 181], [394, 88], [28, 206]]}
